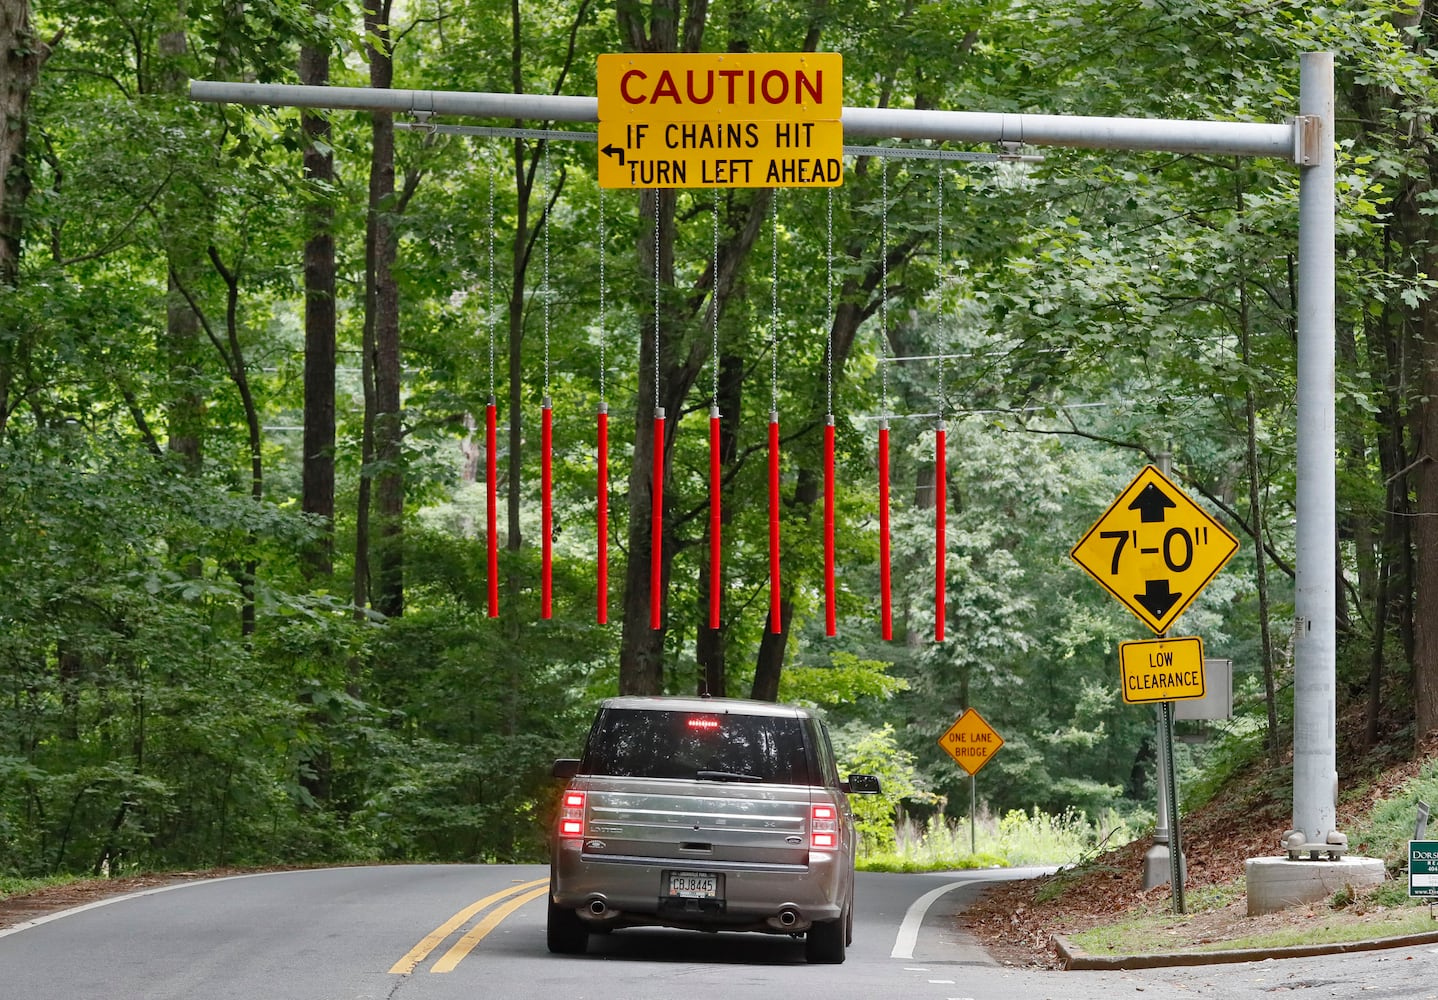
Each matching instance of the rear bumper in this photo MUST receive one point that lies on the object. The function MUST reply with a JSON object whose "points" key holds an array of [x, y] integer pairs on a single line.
{"points": [[623, 892]]}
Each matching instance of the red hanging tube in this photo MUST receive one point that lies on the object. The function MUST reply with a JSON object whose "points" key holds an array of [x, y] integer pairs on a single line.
{"points": [[776, 618], [602, 529], [656, 542], [546, 489], [830, 627], [886, 603], [940, 515], [491, 507], [716, 524]]}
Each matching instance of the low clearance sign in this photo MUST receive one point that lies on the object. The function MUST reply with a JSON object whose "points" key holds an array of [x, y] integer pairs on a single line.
{"points": [[721, 120]]}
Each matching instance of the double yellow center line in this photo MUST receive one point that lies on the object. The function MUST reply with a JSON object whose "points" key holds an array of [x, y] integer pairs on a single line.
{"points": [[476, 934]]}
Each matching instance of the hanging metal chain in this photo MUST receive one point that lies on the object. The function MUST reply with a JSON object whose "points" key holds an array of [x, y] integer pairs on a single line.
{"points": [[774, 304], [544, 293], [489, 288], [883, 284], [657, 403], [829, 301], [603, 290], [714, 308], [943, 316]]}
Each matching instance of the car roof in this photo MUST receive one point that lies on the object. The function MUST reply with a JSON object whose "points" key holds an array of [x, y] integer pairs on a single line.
{"points": [[717, 706]]}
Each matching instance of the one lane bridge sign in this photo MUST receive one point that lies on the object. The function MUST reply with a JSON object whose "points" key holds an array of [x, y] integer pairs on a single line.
{"points": [[971, 741], [1154, 549]]}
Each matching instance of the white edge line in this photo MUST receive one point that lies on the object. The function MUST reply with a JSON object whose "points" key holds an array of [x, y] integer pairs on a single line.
{"points": [[26, 925], [908, 935]]}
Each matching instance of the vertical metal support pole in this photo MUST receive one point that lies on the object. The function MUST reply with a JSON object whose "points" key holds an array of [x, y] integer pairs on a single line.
{"points": [[1163, 859], [1175, 841], [973, 811], [1315, 773], [1164, 462]]}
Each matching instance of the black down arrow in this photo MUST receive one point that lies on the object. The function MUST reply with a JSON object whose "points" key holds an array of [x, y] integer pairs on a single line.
{"points": [[1157, 599], [1151, 503]]}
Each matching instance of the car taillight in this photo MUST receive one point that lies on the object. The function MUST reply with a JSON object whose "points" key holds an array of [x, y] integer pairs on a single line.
{"points": [[571, 815], [823, 828]]}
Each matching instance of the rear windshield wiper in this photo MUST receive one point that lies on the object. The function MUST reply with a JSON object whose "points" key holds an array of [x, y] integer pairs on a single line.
{"points": [[726, 776]]}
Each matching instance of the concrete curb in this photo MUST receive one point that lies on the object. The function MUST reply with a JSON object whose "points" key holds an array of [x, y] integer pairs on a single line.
{"points": [[1075, 959]]}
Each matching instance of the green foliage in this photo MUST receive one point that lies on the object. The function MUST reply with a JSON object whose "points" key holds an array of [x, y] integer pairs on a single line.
{"points": [[847, 681], [877, 752], [1385, 832], [177, 687], [1017, 839]]}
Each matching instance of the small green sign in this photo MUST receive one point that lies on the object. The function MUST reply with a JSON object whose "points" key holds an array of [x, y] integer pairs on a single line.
{"points": [[1423, 868]]}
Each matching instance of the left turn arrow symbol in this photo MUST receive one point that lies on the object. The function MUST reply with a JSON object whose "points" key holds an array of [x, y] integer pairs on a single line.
{"points": [[613, 150]]}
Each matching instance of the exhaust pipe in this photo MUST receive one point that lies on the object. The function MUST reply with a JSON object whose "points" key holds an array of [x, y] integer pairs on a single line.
{"points": [[789, 920], [598, 907]]}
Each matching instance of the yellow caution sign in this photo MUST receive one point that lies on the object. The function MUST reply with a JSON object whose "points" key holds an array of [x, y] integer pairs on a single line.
{"points": [[720, 86], [1154, 549], [721, 154], [712, 120]]}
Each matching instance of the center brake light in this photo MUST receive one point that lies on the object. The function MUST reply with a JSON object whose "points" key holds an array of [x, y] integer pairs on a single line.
{"points": [[571, 815], [823, 828], [703, 723]]}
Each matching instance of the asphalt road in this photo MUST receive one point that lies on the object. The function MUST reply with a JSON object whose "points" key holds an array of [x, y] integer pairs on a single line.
{"points": [[442, 932]]}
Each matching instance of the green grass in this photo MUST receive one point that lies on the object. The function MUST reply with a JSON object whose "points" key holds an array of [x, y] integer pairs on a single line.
{"points": [[1016, 839], [1166, 933], [15, 886]]}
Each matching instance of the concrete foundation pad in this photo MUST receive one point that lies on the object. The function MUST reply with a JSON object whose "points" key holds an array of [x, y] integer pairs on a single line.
{"points": [[1278, 883]]}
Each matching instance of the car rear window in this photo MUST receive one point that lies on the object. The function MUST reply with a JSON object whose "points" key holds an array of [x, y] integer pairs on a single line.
{"points": [[648, 743]]}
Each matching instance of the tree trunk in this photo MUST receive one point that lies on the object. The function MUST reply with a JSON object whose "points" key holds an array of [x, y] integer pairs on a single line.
{"points": [[1425, 520], [849, 316], [318, 461], [641, 657], [180, 343], [21, 55], [709, 642], [382, 299], [1255, 519]]}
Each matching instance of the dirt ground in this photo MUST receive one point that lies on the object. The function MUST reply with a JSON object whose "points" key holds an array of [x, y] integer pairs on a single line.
{"points": [[1017, 922]]}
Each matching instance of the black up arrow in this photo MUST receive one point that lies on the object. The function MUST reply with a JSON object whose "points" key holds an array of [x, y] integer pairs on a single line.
{"points": [[613, 150], [1150, 503], [1157, 599]]}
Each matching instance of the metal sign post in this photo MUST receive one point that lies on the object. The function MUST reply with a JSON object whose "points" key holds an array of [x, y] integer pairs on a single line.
{"points": [[972, 742], [1170, 793]]}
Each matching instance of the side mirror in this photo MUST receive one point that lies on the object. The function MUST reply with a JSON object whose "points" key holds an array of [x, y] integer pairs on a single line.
{"points": [[565, 768], [862, 784]]}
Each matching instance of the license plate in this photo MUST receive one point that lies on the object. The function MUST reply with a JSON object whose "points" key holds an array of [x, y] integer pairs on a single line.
{"points": [[693, 885]]}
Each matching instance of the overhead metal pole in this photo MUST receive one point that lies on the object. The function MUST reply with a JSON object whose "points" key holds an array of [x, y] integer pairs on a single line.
{"points": [[531, 107], [1315, 771], [1162, 135]]}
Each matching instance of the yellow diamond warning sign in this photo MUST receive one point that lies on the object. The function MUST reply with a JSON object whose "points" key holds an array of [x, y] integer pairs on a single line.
{"points": [[1154, 549], [971, 741]]}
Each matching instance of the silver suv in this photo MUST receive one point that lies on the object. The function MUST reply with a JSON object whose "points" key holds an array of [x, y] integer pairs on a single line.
{"points": [[709, 814]]}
